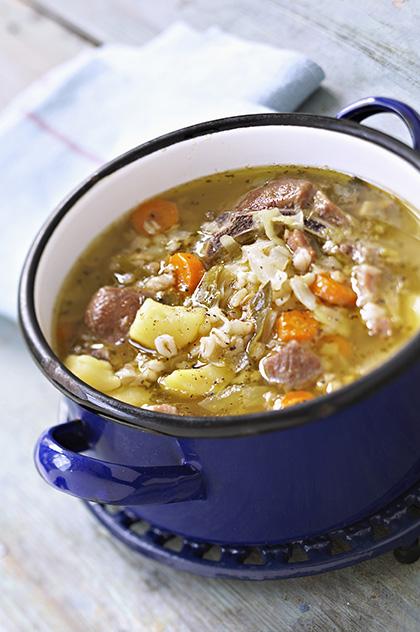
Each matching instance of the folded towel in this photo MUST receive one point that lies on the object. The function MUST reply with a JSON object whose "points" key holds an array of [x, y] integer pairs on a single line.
{"points": [[108, 100]]}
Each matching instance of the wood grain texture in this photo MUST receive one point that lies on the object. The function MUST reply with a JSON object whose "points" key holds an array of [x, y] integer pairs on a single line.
{"points": [[364, 46], [29, 46], [58, 570], [104, 20]]}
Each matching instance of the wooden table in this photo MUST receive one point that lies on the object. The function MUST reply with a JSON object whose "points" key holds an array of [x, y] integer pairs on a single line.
{"points": [[58, 570]]}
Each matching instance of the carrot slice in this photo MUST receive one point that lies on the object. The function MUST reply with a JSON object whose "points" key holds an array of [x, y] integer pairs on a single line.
{"points": [[296, 325], [154, 216], [188, 271], [342, 343], [333, 292], [295, 397]]}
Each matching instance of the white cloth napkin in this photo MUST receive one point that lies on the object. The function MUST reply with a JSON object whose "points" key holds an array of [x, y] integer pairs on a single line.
{"points": [[108, 100]]}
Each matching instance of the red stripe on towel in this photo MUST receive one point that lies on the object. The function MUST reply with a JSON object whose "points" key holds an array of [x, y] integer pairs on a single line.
{"points": [[70, 144]]}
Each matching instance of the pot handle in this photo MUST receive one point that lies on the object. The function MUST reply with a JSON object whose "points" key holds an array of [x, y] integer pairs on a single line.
{"points": [[59, 460], [369, 106]]}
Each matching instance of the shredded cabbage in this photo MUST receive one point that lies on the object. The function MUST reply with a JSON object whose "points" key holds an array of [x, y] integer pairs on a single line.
{"points": [[270, 215], [268, 262], [293, 221], [300, 287], [230, 244], [267, 217]]}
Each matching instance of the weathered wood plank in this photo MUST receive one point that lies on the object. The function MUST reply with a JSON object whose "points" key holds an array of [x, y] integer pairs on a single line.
{"points": [[364, 46], [60, 571], [103, 20], [29, 46]]}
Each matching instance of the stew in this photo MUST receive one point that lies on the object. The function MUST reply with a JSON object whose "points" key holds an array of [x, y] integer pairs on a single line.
{"points": [[244, 291]]}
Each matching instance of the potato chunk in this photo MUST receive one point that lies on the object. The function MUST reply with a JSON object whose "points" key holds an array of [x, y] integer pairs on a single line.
{"points": [[134, 395], [154, 319], [197, 382], [96, 373]]}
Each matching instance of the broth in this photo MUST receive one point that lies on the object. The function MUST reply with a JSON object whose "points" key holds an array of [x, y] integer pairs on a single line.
{"points": [[243, 291]]}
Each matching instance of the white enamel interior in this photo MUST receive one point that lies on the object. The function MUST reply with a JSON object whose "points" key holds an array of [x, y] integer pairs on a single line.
{"points": [[187, 160]]}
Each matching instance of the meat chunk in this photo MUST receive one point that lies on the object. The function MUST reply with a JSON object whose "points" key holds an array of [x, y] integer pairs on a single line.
{"points": [[111, 312], [294, 192], [296, 239], [301, 247], [280, 193], [376, 319], [289, 194], [294, 366], [240, 226], [366, 281], [327, 211], [168, 409]]}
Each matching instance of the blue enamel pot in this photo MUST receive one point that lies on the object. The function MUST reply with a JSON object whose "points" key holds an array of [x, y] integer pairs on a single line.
{"points": [[248, 479]]}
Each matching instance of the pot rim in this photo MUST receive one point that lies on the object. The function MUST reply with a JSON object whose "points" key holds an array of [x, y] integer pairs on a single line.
{"points": [[208, 426]]}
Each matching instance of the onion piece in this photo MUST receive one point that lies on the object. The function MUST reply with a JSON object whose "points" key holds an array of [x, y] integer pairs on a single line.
{"points": [[270, 215], [268, 262], [300, 287]]}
